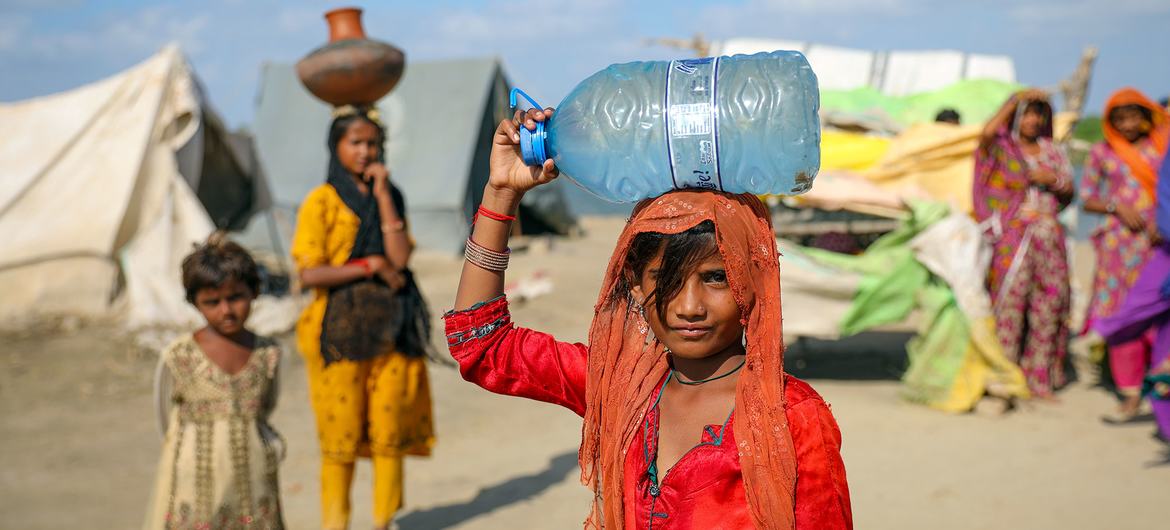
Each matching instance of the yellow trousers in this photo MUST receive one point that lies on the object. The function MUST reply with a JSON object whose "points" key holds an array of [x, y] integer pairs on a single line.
{"points": [[335, 484], [378, 408]]}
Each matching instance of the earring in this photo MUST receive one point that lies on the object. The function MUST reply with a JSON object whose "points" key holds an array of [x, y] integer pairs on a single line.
{"points": [[643, 328]]}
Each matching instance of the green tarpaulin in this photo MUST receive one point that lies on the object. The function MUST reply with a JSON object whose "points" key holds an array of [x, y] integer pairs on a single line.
{"points": [[954, 357], [975, 100]]}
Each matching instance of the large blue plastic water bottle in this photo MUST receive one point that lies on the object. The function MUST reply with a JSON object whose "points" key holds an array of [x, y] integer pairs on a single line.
{"points": [[741, 124]]}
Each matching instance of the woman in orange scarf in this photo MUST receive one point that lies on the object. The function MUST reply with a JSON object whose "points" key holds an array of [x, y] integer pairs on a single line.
{"points": [[1119, 182], [689, 418]]}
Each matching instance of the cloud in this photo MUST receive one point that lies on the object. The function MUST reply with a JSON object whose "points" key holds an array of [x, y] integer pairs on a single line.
{"points": [[17, 5], [891, 7], [12, 31], [144, 31], [296, 19], [806, 19], [1086, 11], [514, 25]]}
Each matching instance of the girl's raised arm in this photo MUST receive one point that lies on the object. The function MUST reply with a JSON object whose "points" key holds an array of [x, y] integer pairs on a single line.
{"points": [[483, 273]]}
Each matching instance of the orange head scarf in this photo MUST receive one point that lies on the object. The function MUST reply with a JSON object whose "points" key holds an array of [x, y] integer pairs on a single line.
{"points": [[625, 368], [1146, 174]]}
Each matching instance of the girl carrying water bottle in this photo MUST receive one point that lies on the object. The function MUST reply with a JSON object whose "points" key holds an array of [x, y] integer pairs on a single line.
{"points": [[689, 418]]}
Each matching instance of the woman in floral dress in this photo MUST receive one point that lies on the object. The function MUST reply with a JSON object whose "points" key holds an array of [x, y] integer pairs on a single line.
{"points": [[1022, 181], [1120, 181]]}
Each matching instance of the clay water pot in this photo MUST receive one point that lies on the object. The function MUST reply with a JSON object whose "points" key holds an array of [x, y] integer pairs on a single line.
{"points": [[350, 69]]}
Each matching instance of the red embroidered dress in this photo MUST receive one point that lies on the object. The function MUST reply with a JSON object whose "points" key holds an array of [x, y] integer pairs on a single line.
{"points": [[705, 489]]}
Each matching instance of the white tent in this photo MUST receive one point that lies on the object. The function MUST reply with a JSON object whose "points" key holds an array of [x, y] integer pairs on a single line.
{"points": [[95, 211], [894, 73]]}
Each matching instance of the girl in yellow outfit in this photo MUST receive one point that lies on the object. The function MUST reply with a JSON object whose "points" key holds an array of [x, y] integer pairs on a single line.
{"points": [[366, 333]]}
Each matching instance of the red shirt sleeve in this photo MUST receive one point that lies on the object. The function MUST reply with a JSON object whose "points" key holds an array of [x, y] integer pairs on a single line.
{"points": [[500, 357], [822, 492]]}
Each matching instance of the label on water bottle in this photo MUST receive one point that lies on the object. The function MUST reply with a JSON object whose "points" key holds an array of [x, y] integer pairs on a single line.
{"points": [[692, 123], [692, 119]]}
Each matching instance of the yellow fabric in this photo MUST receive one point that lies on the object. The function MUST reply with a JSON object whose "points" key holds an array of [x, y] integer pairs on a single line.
{"points": [[935, 159], [851, 151], [848, 191], [985, 370], [335, 484], [380, 406], [387, 488], [335, 481]]}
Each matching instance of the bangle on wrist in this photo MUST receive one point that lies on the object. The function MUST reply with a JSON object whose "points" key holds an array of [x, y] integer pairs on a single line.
{"points": [[484, 211], [1111, 208], [485, 258], [394, 226], [365, 265]]}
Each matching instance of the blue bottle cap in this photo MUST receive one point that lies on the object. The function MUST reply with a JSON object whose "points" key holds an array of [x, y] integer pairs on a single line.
{"points": [[532, 143]]}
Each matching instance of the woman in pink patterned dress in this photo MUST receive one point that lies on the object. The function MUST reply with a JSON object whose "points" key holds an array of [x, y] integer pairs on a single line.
{"points": [[1119, 182], [1022, 181]]}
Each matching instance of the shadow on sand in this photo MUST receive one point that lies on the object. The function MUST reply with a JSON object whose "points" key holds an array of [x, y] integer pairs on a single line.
{"points": [[510, 491]]}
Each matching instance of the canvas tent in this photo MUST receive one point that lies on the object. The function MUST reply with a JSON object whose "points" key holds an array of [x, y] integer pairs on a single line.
{"points": [[103, 191], [893, 73], [439, 123]]}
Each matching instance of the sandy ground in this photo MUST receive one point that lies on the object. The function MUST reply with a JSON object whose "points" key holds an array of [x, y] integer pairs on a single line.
{"points": [[78, 443]]}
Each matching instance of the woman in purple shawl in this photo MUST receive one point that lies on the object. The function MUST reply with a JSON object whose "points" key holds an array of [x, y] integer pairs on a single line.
{"points": [[1022, 182], [1148, 304]]}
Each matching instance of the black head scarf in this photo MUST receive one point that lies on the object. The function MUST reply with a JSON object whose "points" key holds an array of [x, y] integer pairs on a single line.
{"points": [[369, 239], [408, 318]]}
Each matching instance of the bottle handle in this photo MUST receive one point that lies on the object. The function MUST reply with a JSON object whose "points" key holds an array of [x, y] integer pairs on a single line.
{"points": [[512, 99], [532, 143]]}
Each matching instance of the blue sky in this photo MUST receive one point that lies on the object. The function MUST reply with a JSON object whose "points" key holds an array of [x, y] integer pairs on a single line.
{"points": [[53, 45]]}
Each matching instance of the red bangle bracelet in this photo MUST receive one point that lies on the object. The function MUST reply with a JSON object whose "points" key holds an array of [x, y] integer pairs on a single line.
{"points": [[365, 265], [492, 215]]}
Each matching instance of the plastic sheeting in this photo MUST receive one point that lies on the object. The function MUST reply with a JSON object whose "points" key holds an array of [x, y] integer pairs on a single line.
{"points": [[960, 358], [895, 73], [932, 266], [920, 71], [816, 296], [975, 100], [851, 151], [930, 160], [845, 191]]}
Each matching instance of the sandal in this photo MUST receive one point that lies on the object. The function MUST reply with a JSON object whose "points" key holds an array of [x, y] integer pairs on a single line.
{"points": [[1120, 418]]}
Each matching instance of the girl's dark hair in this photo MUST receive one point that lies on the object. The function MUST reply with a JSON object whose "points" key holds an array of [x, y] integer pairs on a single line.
{"points": [[1146, 113], [337, 132], [1041, 108], [681, 253], [218, 261], [341, 124], [1044, 109]]}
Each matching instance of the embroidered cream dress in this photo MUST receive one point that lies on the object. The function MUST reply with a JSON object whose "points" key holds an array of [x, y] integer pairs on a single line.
{"points": [[219, 457]]}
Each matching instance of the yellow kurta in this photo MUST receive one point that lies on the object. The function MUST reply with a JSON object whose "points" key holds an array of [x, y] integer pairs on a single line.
{"points": [[380, 405]]}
